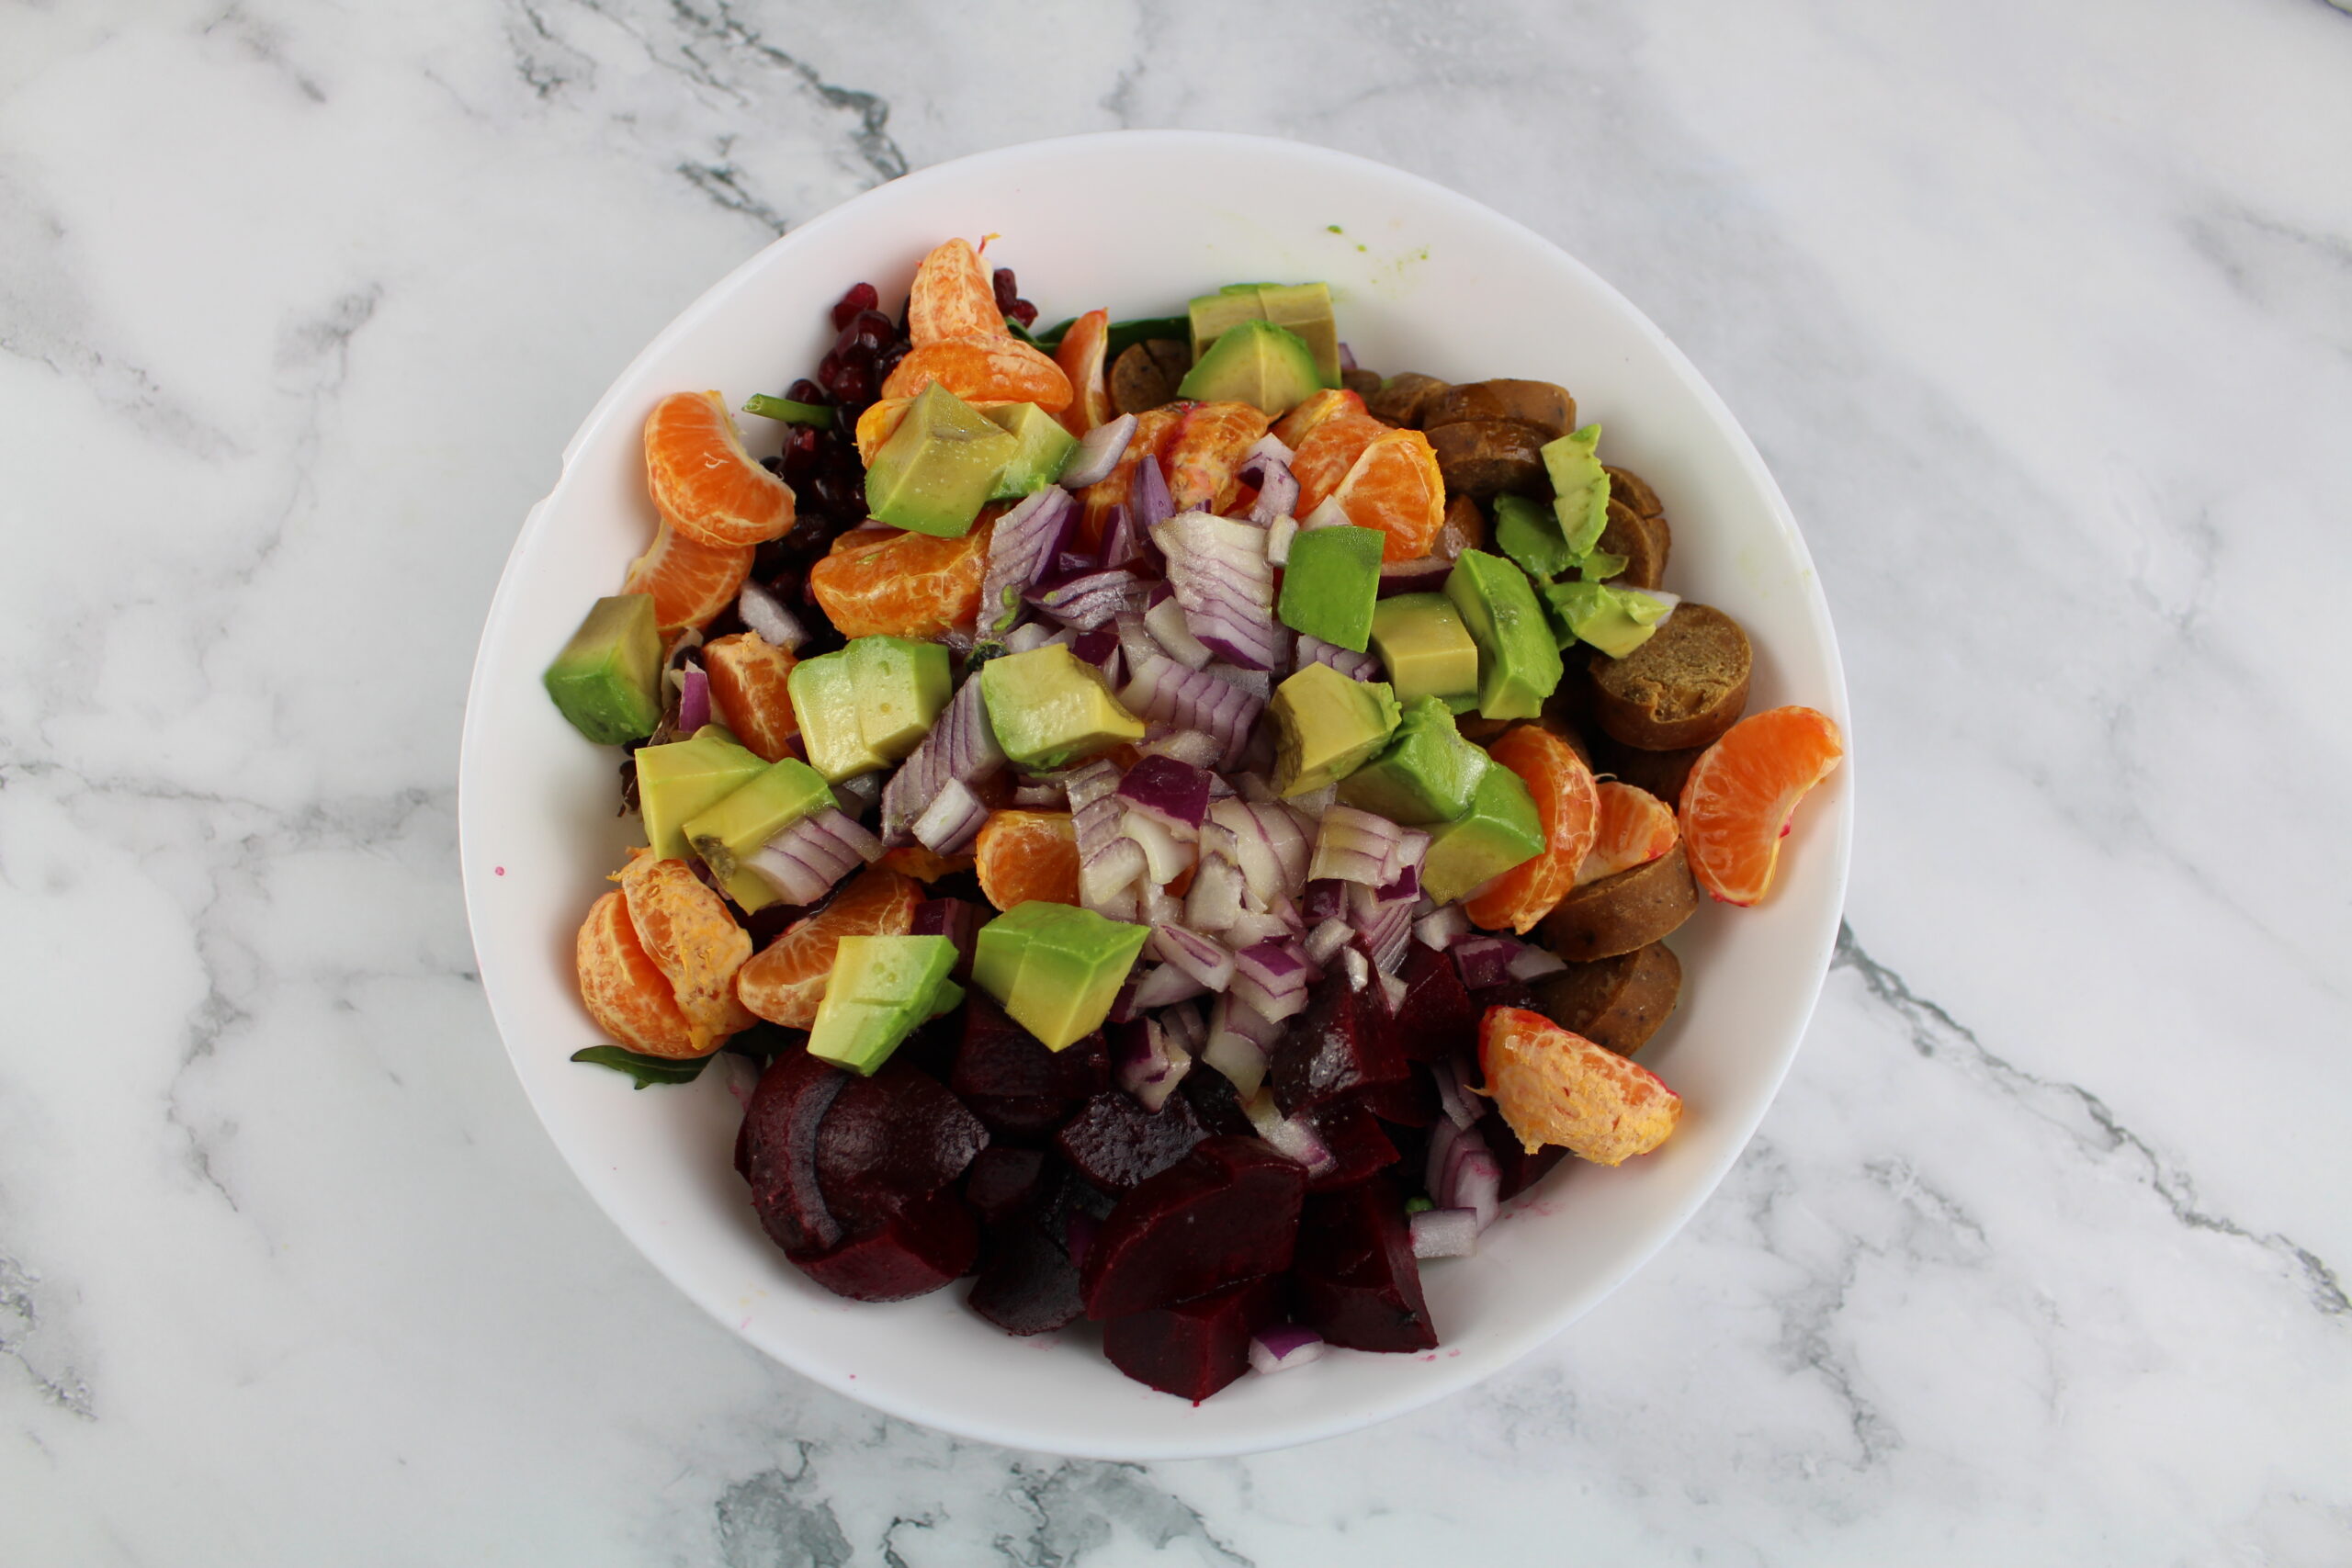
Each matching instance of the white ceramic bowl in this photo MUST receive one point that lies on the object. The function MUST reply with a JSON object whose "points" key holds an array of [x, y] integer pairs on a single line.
{"points": [[1425, 280]]}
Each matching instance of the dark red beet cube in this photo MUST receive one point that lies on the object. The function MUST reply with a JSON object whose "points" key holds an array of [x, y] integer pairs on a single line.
{"points": [[1522, 1170], [1342, 1044], [1020, 1118], [1438, 1018], [1194, 1347], [1216, 1102], [1115, 1142], [1410, 1102], [916, 1250], [889, 1141], [1356, 1281], [1003, 1182], [1000, 1059], [1225, 1212], [1358, 1146], [777, 1151], [1028, 1285]]}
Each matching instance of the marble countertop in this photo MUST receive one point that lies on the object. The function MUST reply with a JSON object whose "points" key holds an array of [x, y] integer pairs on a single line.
{"points": [[2042, 316]]}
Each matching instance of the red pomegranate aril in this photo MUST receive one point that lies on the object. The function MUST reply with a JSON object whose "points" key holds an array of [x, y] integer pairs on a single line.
{"points": [[861, 297], [805, 392]]}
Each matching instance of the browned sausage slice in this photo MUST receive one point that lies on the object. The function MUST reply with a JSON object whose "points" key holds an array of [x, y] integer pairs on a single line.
{"points": [[1147, 374], [1401, 398], [1619, 913], [1486, 457], [1539, 404], [1645, 542], [1614, 1003], [1683, 687]]}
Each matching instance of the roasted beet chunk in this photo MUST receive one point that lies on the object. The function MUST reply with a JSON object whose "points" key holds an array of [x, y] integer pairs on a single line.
{"points": [[1342, 1042], [916, 1251], [1028, 1285], [1003, 1182], [1115, 1142], [1358, 1145], [1215, 1101], [1000, 1059], [1522, 1170], [1410, 1102], [1438, 1021], [776, 1151], [1194, 1347], [889, 1141], [1225, 1212], [1021, 1118], [1356, 1281]]}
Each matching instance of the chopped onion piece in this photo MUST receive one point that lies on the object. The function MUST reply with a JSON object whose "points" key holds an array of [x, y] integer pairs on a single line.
{"points": [[1099, 452], [1165, 690], [693, 699], [1291, 1135], [1393, 992], [1484, 960], [766, 615], [1218, 570], [1155, 905], [1279, 534], [1239, 1039], [1479, 1186], [1426, 575], [1271, 979], [1346, 660], [1109, 872], [1040, 797], [1146, 1064], [1279, 1349], [1330, 515], [1214, 901], [1267, 466], [807, 859], [1325, 940], [1445, 1232], [1166, 983], [1095, 781], [1027, 636], [1359, 969], [1203, 959], [1165, 621], [1195, 747], [1443, 929], [961, 747], [1354, 845], [1533, 961], [858, 794], [1134, 638], [1024, 546], [1315, 802], [1148, 497], [1185, 1028], [952, 821], [1166, 856], [1454, 1097], [1174, 795]]}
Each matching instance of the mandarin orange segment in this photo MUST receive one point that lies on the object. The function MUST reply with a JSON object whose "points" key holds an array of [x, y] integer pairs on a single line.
{"points": [[1567, 805], [1156, 432], [982, 370], [1634, 829], [953, 296], [1208, 447], [923, 864], [785, 980], [1743, 790], [621, 988], [899, 584], [704, 481], [690, 582], [747, 688], [693, 938], [1080, 354], [1319, 406], [1396, 486], [878, 423], [1025, 855], [1554, 1087], [1329, 451]]}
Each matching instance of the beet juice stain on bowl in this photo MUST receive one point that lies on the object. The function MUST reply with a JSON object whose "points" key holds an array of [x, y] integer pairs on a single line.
{"points": [[1285, 663]]}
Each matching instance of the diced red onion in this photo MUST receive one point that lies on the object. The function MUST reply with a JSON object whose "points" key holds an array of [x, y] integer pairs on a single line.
{"points": [[1163, 985], [1484, 960], [1267, 466], [858, 794], [1040, 797], [1196, 748], [1534, 962], [1329, 514], [1193, 699], [1347, 360], [952, 821], [1453, 1096], [961, 747], [1346, 660], [1479, 1186], [1239, 1039], [1282, 1346], [1279, 534], [1028, 636], [1166, 856], [1099, 451], [1148, 497], [1393, 991], [1359, 967], [1086, 602], [1146, 1063], [1267, 844], [1174, 794], [1253, 787], [1253, 926], [1387, 936], [1099, 648], [1217, 568], [1354, 845], [1259, 683], [1271, 979], [693, 699], [1024, 547], [1098, 780], [1155, 905], [1291, 1135], [1203, 959], [1136, 641], [1443, 929], [804, 861], [767, 616], [1165, 621], [1214, 901], [1315, 802], [1425, 575], [1326, 940], [1445, 1232]]}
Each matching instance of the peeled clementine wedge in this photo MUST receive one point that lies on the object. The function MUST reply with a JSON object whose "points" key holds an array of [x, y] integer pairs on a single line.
{"points": [[1156, 430], [1743, 790], [1635, 827], [900, 584], [1554, 1087], [1025, 855], [622, 988], [1328, 452], [703, 480], [923, 864], [982, 370], [690, 582], [881, 421], [1080, 354], [688, 933], [747, 688], [1292, 427], [1567, 806], [785, 980], [953, 296], [1395, 486], [1208, 447]]}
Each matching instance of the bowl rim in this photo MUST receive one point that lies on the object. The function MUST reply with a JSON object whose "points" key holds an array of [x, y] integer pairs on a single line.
{"points": [[1821, 938]]}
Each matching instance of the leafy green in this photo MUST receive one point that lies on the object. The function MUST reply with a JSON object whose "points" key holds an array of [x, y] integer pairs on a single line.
{"points": [[1121, 336], [816, 414], [644, 1070]]}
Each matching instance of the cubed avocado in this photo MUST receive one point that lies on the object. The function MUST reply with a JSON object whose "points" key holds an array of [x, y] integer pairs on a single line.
{"points": [[1055, 968], [1529, 533], [1214, 315], [1258, 363], [880, 989], [1325, 726], [1428, 773], [1519, 662], [685, 778], [939, 467], [1330, 583], [1044, 450], [1426, 649], [901, 684], [1580, 487], [825, 700], [607, 680], [1050, 709], [1614, 620], [1304, 309], [1498, 831], [749, 815]]}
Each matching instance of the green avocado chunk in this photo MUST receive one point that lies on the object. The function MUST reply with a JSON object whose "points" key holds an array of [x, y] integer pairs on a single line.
{"points": [[1045, 449], [685, 778], [1529, 533], [607, 680], [824, 699], [1426, 649], [939, 467], [1498, 831], [1614, 620], [1519, 661], [1427, 774], [1055, 968], [1331, 582], [1325, 726], [1050, 709], [880, 989], [867, 704], [749, 815], [1579, 488], [1305, 309], [1258, 363]]}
